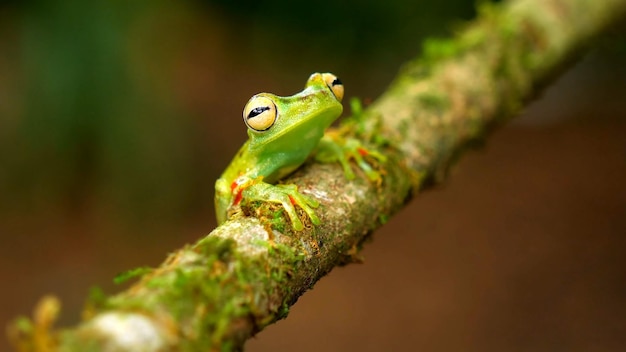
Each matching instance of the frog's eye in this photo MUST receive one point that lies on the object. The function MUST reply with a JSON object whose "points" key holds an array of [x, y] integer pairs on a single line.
{"points": [[260, 113], [334, 84]]}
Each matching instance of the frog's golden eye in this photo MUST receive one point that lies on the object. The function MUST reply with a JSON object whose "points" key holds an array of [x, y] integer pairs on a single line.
{"points": [[334, 84], [260, 113]]}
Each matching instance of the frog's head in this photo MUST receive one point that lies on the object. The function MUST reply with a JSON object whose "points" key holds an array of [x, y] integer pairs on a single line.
{"points": [[274, 121]]}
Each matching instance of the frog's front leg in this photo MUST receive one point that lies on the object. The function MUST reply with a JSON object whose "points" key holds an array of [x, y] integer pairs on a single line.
{"points": [[223, 199], [288, 196]]}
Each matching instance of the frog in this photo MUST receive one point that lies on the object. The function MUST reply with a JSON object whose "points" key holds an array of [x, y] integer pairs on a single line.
{"points": [[282, 133]]}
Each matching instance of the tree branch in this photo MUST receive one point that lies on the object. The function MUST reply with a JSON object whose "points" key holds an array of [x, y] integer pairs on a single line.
{"points": [[248, 272]]}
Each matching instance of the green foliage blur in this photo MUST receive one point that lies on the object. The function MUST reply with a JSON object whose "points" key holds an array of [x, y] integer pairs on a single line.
{"points": [[132, 107]]}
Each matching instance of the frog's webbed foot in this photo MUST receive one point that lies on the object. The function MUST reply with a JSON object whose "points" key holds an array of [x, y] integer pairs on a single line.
{"points": [[286, 195], [335, 148]]}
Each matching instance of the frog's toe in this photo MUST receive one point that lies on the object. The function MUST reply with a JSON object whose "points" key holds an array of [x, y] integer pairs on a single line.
{"points": [[376, 155], [307, 204], [336, 148], [293, 215], [360, 159], [371, 174], [304, 202], [347, 169]]}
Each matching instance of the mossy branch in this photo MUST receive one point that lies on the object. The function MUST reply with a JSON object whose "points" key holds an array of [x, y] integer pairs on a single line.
{"points": [[245, 275]]}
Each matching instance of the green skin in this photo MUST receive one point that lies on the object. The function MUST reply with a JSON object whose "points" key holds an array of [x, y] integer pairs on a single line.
{"points": [[272, 154]]}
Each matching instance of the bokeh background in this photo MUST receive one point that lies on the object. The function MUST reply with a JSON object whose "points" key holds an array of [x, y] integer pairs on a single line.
{"points": [[116, 118]]}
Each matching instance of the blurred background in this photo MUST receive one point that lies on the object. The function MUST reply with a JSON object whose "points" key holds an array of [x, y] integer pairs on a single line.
{"points": [[117, 117]]}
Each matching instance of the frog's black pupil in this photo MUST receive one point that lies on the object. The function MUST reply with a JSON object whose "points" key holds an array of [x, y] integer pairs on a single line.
{"points": [[257, 111], [336, 82]]}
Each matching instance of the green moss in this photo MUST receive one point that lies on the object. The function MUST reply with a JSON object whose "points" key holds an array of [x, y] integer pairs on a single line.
{"points": [[207, 287], [271, 215], [435, 102], [228, 285], [356, 108], [157, 281], [488, 9], [289, 254], [437, 49], [78, 342], [96, 300], [204, 282], [405, 127], [130, 274], [24, 325], [277, 220], [215, 248]]}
